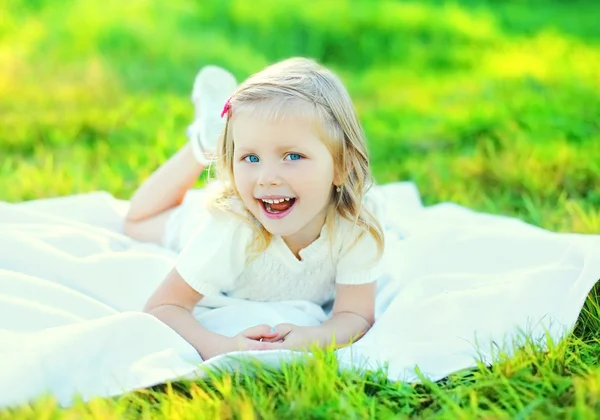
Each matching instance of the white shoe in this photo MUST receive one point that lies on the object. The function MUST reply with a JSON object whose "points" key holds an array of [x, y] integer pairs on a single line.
{"points": [[212, 88]]}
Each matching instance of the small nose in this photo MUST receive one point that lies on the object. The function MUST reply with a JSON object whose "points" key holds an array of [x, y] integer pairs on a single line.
{"points": [[268, 175]]}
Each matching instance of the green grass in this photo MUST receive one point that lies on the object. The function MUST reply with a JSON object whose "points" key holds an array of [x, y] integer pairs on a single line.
{"points": [[493, 105]]}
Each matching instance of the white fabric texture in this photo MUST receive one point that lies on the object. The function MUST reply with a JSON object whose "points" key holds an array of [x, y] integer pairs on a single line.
{"points": [[214, 259], [458, 285]]}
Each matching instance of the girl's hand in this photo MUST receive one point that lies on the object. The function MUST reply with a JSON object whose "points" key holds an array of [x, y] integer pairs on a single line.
{"points": [[254, 335], [293, 337], [248, 339]]}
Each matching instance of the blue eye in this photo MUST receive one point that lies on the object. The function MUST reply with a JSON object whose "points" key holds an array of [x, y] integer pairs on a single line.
{"points": [[251, 158], [294, 156]]}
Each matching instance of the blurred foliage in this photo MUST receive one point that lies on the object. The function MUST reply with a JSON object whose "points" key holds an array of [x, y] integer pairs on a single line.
{"points": [[493, 105]]}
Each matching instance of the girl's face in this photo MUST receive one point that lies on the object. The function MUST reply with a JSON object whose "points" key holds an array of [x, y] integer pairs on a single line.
{"points": [[284, 174]]}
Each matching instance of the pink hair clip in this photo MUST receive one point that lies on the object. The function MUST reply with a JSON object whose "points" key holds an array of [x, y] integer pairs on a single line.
{"points": [[227, 107]]}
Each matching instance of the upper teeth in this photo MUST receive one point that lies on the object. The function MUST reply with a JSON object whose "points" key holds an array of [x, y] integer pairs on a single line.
{"points": [[276, 201]]}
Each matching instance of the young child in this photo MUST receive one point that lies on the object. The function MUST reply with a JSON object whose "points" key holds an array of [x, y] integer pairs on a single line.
{"points": [[291, 216]]}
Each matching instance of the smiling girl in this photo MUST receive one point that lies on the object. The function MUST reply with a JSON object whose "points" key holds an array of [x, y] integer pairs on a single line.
{"points": [[290, 217]]}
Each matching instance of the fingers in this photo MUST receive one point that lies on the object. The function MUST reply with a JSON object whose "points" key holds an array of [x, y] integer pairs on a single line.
{"points": [[260, 331], [283, 330], [250, 344], [273, 340], [277, 336], [270, 346]]}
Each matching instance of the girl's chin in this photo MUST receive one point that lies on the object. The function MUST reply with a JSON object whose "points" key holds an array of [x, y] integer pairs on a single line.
{"points": [[278, 227]]}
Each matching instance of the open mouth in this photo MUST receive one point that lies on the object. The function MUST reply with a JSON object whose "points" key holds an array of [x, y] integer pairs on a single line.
{"points": [[277, 208]]}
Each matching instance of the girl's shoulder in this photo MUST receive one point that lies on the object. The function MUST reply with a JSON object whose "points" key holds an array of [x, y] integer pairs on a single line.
{"points": [[359, 259], [374, 203], [219, 221], [346, 231], [231, 217], [215, 254]]}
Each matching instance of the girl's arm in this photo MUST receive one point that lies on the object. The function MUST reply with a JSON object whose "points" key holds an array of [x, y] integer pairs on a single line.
{"points": [[173, 303], [353, 314]]}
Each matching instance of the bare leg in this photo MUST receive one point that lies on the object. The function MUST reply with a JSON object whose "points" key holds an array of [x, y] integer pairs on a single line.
{"points": [[155, 200]]}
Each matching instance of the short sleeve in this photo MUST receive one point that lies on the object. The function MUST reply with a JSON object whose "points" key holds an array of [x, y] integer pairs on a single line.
{"points": [[215, 255], [359, 262]]}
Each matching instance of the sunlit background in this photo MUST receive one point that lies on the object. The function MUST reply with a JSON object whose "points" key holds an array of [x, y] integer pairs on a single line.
{"points": [[493, 105]]}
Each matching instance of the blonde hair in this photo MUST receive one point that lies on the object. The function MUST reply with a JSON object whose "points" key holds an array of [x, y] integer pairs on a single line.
{"points": [[300, 85]]}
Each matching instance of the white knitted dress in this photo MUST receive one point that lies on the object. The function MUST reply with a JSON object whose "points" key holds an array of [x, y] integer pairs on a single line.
{"points": [[213, 259]]}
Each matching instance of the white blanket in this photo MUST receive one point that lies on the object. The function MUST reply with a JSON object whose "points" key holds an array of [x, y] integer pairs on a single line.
{"points": [[460, 284]]}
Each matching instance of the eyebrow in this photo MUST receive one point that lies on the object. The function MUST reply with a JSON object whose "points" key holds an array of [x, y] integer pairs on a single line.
{"points": [[279, 148]]}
